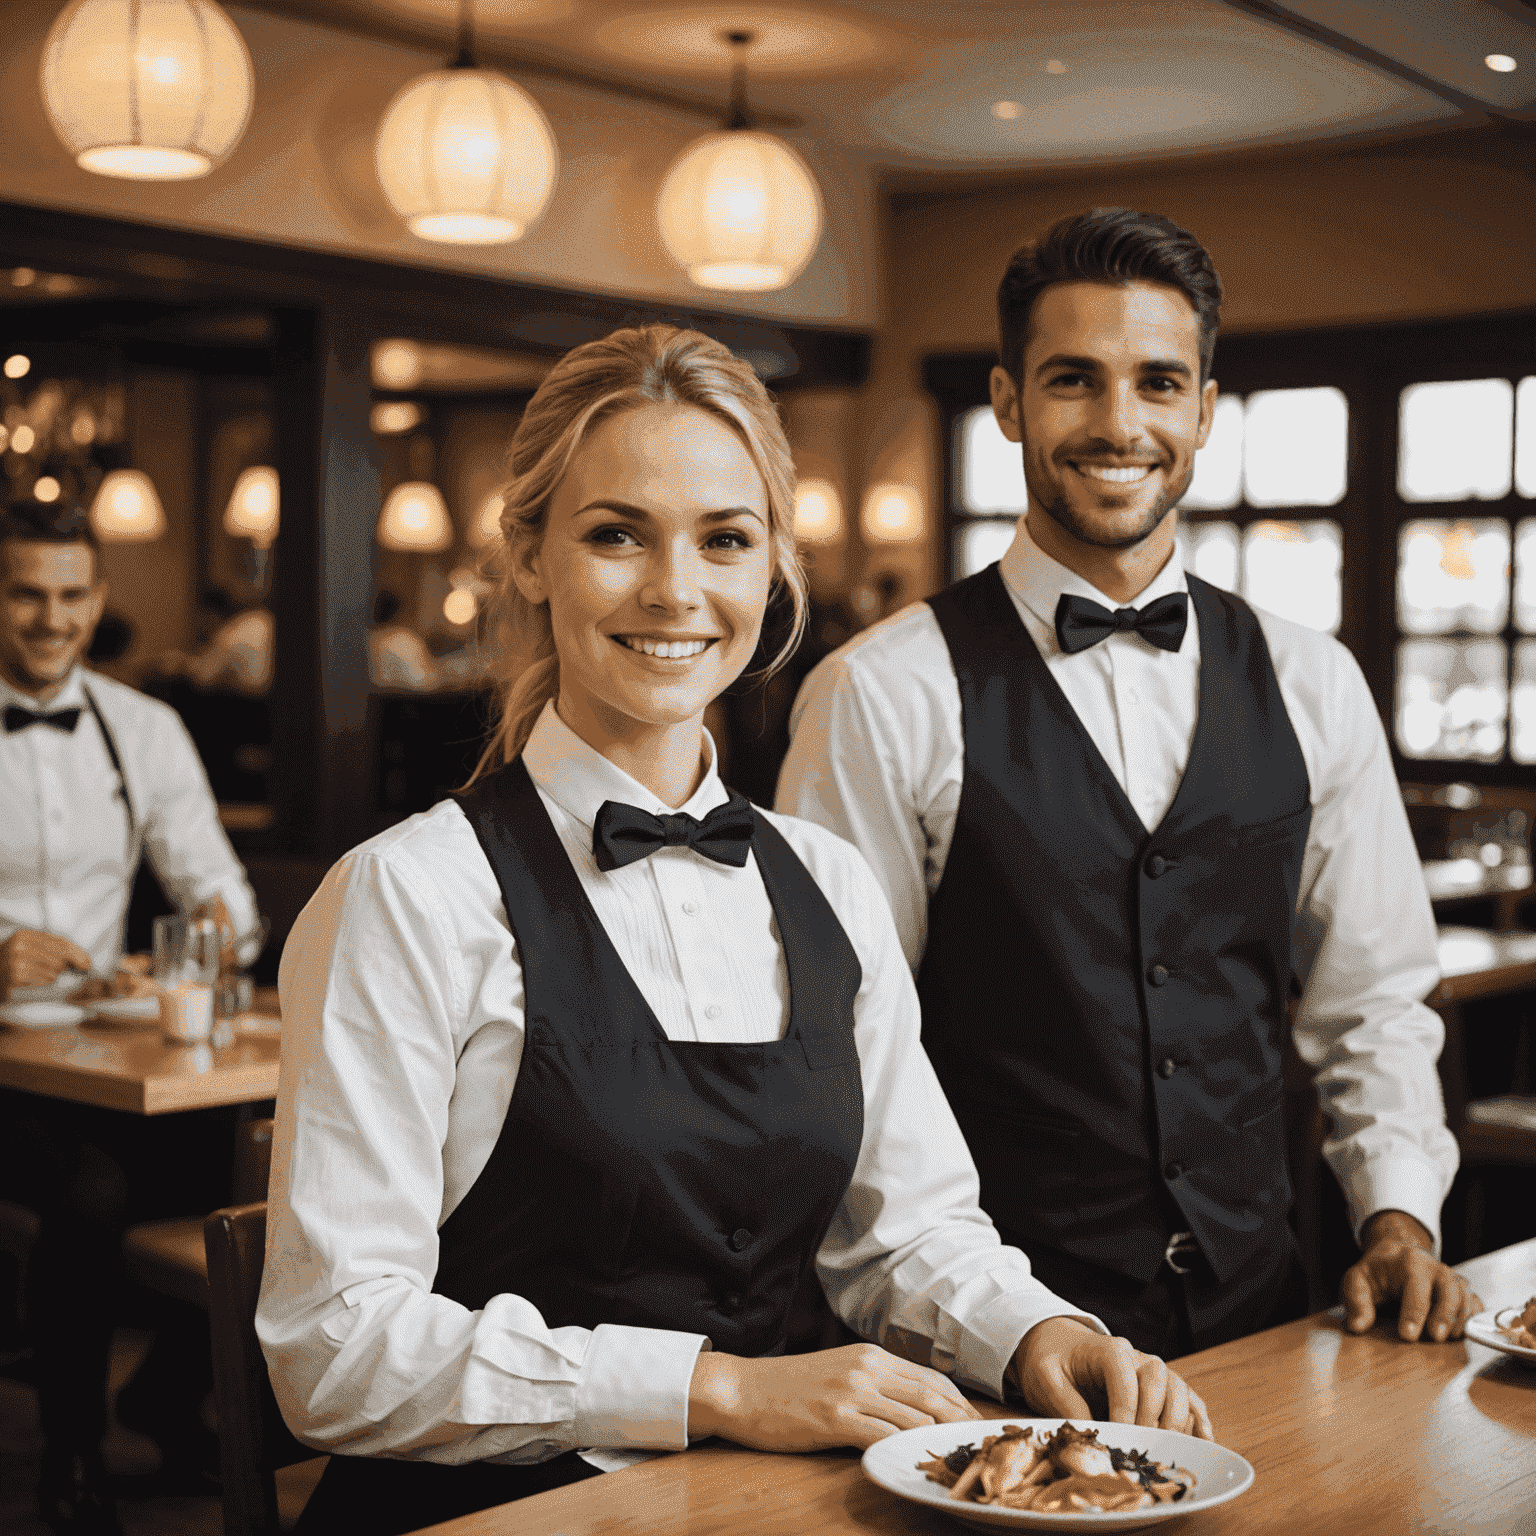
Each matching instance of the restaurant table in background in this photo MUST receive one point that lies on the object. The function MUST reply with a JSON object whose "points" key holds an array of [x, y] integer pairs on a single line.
{"points": [[136, 1069], [1454, 884], [1346, 1434]]}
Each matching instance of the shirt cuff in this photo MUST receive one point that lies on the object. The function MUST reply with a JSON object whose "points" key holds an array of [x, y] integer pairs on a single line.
{"points": [[1397, 1183], [633, 1389], [992, 1337]]}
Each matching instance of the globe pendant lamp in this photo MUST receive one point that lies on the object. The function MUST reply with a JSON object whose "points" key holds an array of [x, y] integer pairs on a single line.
{"points": [[464, 155], [151, 90], [740, 209]]}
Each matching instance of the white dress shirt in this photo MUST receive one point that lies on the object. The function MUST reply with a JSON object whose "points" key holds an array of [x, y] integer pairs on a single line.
{"points": [[402, 998], [877, 756], [67, 850]]}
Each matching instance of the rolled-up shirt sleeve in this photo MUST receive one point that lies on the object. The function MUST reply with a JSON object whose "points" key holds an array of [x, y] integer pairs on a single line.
{"points": [[1366, 952], [365, 1359], [911, 1259]]}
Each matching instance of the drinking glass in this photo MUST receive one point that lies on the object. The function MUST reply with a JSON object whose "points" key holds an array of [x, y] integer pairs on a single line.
{"points": [[185, 967]]}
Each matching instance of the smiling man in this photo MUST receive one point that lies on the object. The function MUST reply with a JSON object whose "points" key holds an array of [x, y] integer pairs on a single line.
{"points": [[92, 773], [1117, 811]]}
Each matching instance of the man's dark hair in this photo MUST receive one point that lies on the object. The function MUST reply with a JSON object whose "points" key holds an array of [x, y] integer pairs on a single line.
{"points": [[1107, 245], [65, 521]]}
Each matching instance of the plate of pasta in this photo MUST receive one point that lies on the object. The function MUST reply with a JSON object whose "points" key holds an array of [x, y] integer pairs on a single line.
{"points": [[1057, 1475]]}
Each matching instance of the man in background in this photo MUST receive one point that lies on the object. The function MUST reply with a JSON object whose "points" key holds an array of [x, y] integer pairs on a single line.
{"points": [[92, 775], [1116, 811]]}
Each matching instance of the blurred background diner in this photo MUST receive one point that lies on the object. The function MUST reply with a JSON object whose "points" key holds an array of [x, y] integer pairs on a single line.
{"points": [[277, 364]]}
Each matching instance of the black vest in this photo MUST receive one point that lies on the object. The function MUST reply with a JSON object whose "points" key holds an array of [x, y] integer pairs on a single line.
{"points": [[1106, 1007], [644, 1181]]}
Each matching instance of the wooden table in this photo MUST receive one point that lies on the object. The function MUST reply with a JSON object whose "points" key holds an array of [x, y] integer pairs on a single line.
{"points": [[1349, 1437], [1474, 963], [137, 1069]]}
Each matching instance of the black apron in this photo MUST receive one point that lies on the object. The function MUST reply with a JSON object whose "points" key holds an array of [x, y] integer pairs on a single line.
{"points": [[1104, 1006], [636, 1180]]}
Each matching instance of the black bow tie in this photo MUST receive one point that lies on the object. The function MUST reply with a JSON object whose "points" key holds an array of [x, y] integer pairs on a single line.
{"points": [[18, 719], [623, 833], [1081, 622]]}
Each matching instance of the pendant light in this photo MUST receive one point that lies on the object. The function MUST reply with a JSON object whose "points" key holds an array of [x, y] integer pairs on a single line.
{"points": [[740, 209], [415, 517], [463, 154], [151, 90], [127, 508]]}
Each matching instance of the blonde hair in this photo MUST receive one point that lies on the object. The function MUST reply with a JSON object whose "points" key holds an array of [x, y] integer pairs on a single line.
{"points": [[647, 365]]}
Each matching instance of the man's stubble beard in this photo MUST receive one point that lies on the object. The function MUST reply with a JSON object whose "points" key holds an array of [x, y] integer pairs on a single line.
{"points": [[1059, 510]]}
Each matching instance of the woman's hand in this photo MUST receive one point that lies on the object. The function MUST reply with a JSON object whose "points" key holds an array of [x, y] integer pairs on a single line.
{"points": [[855, 1395], [1061, 1358]]}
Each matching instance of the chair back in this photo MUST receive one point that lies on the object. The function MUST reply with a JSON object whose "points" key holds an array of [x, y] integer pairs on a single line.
{"points": [[253, 1440], [253, 1162]]}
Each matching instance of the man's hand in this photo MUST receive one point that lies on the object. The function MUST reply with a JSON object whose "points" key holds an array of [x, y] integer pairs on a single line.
{"points": [[854, 1395], [1397, 1263], [31, 958], [1061, 1358]]}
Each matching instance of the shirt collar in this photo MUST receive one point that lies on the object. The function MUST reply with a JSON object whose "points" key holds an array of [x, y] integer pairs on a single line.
{"points": [[70, 696], [1038, 581], [578, 778]]}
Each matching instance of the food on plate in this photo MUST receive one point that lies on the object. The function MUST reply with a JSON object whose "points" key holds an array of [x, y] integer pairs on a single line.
{"points": [[1522, 1331], [1067, 1472], [126, 981]]}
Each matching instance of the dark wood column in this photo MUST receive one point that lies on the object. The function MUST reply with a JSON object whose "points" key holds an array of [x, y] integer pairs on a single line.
{"points": [[324, 753]]}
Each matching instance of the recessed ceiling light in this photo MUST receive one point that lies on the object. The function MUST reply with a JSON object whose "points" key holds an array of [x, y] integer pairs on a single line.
{"points": [[1007, 110], [1501, 63], [1055, 67]]}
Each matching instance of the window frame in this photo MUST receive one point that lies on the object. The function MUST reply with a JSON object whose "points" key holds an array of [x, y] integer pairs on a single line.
{"points": [[1372, 365]]}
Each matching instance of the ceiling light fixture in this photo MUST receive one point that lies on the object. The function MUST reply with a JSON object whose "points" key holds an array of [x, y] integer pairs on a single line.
{"points": [[463, 154], [739, 209], [1007, 110], [1501, 63], [1055, 67], [151, 90]]}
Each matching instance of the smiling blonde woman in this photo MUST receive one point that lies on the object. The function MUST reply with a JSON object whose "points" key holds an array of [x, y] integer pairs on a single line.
{"points": [[589, 1070]]}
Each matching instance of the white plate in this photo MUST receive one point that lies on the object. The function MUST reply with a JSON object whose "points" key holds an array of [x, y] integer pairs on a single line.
{"points": [[40, 1015], [1484, 1329], [1220, 1474], [125, 1010]]}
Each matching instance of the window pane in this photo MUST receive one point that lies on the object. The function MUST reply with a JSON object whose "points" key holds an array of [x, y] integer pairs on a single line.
{"points": [[990, 468], [1210, 551], [1525, 437], [1295, 570], [1451, 698], [1522, 703], [1525, 575], [1218, 482], [979, 543], [1453, 576], [1296, 447], [1454, 440]]}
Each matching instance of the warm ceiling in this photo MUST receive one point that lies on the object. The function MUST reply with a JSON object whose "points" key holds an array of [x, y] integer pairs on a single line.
{"points": [[911, 86]]}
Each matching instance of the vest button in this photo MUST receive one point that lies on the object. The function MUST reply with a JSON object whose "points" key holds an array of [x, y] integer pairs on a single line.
{"points": [[1167, 1067], [1173, 1171], [1156, 865], [1158, 975], [740, 1238]]}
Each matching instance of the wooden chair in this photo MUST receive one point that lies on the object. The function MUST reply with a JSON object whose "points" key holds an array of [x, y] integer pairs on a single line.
{"points": [[169, 1256], [253, 1440]]}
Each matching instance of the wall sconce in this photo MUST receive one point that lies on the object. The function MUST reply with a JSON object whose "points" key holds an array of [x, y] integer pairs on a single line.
{"points": [[893, 514], [127, 509], [156, 90], [415, 518], [253, 508], [487, 525], [389, 418], [818, 512]]}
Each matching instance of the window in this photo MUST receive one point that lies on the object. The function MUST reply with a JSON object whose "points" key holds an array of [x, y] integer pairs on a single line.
{"points": [[1465, 577], [989, 491]]}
